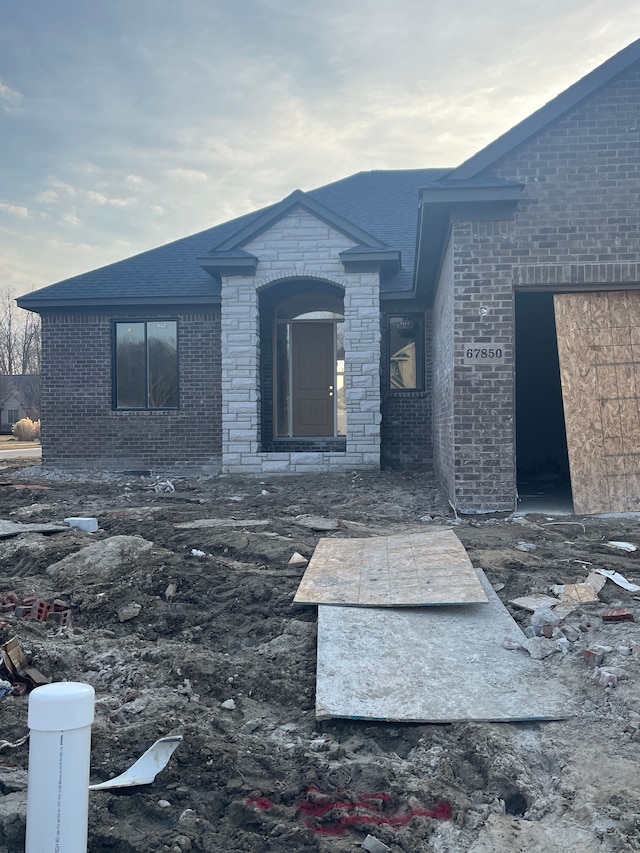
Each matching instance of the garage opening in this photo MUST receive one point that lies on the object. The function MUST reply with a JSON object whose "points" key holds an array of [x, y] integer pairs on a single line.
{"points": [[543, 476]]}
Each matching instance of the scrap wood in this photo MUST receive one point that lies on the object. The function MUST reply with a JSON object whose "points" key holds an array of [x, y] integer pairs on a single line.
{"points": [[430, 665], [20, 486], [430, 568], [534, 602], [569, 596], [579, 593], [9, 529], [596, 580], [17, 666]]}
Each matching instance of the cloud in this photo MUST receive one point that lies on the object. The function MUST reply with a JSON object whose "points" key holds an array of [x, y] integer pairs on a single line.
{"points": [[58, 191], [189, 176], [9, 98], [71, 219], [142, 122], [103, 200], [15, 210]]}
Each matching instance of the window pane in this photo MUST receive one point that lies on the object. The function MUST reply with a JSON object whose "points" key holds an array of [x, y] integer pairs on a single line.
{"points": [[282, 379], [162, 351], [130, 371], [341, 397], [404, 346]]}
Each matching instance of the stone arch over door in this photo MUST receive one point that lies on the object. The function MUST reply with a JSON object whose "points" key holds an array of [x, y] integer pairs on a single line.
{"points": [[302, 363]]}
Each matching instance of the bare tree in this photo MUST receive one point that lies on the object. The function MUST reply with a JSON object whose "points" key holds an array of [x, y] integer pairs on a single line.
{"points": [[19, 338]]}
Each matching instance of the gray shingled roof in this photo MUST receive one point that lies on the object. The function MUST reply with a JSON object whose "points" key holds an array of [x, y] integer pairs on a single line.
{"points": [[384, 203]]}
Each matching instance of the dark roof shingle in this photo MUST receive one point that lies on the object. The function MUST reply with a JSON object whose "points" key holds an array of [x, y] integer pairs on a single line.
{"points": [[384, 203]]}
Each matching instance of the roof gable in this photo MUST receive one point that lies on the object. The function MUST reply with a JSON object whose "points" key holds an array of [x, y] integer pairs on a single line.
{"points": [[274, 214], [542, 118], [229, 258]]}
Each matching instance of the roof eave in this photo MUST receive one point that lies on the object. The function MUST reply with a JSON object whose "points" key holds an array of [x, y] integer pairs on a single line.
{"points": [[436, 213], [129, 302], [363, 259], [226, 264]]}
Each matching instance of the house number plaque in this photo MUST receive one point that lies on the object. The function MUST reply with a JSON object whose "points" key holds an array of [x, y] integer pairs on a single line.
{"points": [[483, 353]]}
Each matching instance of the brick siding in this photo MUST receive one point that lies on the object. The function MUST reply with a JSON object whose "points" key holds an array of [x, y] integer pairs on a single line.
{"points": [[80, 429], [576, 227], [443, 365]]}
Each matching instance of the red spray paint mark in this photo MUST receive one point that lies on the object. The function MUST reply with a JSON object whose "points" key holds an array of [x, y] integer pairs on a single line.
{"points": [[335, 814], [261, 803]]}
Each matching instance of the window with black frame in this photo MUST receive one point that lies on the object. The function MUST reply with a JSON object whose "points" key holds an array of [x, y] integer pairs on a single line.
{"points": [[146, 364], [405, 352]]}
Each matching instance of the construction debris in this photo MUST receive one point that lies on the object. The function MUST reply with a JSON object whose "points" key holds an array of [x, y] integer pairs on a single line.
{"points": [[408, 570], [19, 673], [146, 768], [89, 525], [33, 609], [619, 579], [622, 546], [621, 614], [367, 657]]}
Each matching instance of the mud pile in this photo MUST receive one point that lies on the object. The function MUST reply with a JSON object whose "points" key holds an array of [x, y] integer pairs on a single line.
{"points": [[183, 622]]}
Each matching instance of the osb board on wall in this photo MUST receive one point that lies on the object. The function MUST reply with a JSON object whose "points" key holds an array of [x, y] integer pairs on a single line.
{"points": [[430, 568], [599, 350]]}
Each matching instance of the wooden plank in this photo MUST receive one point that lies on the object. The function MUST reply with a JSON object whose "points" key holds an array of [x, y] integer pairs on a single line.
{"points": [[431, 665], [415, 569], [579, 376], [600, 371]]}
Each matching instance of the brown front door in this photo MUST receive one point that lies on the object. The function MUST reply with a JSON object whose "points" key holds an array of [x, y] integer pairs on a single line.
{"points": [[313, 378], [599, 349]]}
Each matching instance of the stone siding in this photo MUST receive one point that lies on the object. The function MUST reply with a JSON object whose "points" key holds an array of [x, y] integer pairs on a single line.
{"points": [[299, 246]]}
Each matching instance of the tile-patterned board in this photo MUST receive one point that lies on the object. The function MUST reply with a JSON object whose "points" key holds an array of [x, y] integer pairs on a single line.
{"points": [[415, 569], [599, 349], [431, 665]]}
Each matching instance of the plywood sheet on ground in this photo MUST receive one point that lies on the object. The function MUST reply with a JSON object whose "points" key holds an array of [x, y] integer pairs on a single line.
{"points": [[430, 568], [599, 350], [431, 665]]}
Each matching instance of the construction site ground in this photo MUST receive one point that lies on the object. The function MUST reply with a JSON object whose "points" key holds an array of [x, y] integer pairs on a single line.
{"points": [[182, 601]]}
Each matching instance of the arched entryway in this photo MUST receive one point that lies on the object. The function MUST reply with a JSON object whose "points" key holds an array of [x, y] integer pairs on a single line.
{"points": [[303, 365]]}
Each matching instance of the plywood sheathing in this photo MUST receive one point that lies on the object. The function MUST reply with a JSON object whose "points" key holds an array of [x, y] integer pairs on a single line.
{"points": [[599, 351], [419, 569], [431, 665]]}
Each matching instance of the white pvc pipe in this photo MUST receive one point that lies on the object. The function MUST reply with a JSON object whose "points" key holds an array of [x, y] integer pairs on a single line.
{"points": [[60, 717]]}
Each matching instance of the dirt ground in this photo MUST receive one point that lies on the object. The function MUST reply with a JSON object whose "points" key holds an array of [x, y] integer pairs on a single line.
{"points": [[166, 637]]}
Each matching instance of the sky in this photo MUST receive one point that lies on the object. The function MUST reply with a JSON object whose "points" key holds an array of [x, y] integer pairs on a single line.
{"points": [[125, 124]]}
